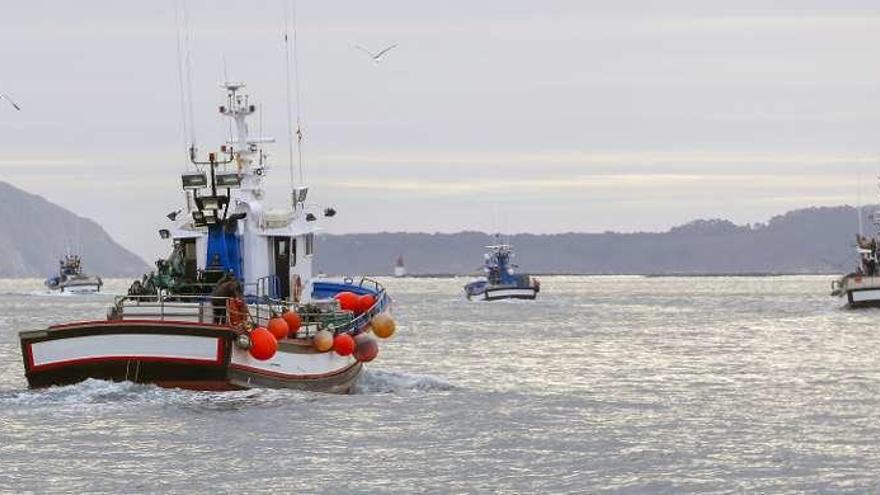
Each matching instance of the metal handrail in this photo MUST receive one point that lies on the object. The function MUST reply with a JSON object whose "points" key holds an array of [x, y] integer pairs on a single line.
{"points": [[260, 310]]}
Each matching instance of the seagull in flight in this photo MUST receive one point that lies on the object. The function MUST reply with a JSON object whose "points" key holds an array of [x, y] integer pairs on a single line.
{"points": [[377, 57], [4, 96]]}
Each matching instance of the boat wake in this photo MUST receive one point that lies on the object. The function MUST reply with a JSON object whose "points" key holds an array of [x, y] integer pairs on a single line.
{"points": [[394, 382], [55, 293], [100, 393]]}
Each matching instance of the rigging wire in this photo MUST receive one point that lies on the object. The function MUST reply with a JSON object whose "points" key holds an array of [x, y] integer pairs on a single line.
{"points": [[298, 90], [230, 136], [180, 69], [290, 132], [188, 71], [287, 92], [859, 209]]}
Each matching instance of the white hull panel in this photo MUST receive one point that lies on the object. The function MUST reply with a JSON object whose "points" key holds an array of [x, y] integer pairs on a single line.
{"points": [[860, 296], [292, 364], [188, 348]]}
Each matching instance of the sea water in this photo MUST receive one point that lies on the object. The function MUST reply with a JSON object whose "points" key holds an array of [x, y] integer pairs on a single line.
{"points": [[603, 384]]}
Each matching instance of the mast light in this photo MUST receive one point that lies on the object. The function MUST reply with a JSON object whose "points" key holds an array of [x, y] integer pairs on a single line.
{"points": [[207, 203], [228, 180], [195, 180]]}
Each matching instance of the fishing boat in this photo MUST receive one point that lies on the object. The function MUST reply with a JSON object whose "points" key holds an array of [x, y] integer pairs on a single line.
{"points": [[71, 277], [861, 288], [235, 305], [501, 281]]}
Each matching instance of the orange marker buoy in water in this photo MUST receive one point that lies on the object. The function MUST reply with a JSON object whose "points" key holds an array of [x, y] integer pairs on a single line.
{"points": [[278, 328], [366, 348], [263, 344], [343, 344]]}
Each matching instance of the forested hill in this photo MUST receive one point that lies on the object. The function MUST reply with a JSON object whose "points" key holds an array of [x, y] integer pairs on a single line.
{"points": [[811, 240], [34, 233]]}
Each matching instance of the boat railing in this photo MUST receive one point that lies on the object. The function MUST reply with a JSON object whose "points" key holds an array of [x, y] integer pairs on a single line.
{"points": [[260, 309], [382, 302], [195, 308]]}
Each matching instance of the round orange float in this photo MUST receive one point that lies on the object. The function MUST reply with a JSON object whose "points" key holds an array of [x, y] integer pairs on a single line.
{"points": [[365, 303], [383, 325], [278, 328], [366, 348], [348, 301], [294, 322], [323, 341], [343, 344], [263, 344]]}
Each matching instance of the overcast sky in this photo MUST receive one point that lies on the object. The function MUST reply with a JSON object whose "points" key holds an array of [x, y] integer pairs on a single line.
{"points": [[521, 116]]}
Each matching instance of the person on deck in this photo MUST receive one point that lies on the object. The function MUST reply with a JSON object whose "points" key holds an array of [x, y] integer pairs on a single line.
{"points": [[227, 287]]}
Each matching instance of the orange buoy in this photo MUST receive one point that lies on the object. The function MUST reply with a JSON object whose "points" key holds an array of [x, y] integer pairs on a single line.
{"points": [[294, 322], [278, 328], [365, 303], [263, 344], [383, 325], [366, 349], [323, 341], [343, 344], [348, 301], [236, 311]]}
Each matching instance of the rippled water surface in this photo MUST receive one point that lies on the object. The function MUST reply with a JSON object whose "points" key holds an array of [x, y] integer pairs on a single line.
{"points": [[620, 384]]}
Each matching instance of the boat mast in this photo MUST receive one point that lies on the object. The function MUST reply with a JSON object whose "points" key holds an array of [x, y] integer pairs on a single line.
{"points": [[290, 132]]}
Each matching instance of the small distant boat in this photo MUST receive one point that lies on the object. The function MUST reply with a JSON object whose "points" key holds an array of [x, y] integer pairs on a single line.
{"points": [[71, 277], [861, 287], [399, 268], [501, 282]]}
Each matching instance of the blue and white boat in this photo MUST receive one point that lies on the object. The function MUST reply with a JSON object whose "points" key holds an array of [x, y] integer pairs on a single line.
{"points": [[501, 281], [71, 277], [236, 304]]}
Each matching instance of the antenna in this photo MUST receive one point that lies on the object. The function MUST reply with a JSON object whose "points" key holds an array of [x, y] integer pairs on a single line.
{"points": [[859, 205], [184, 78], [299, 134], [180, 69], [226, 80], [188, 71], [290, 132], [287, 93]]}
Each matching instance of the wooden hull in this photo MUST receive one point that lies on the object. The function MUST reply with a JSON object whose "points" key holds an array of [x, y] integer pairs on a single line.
{"points": [[176, 354]]}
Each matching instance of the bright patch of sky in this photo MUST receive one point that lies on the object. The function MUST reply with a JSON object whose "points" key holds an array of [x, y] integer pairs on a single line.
{"points": [[521, 116]]}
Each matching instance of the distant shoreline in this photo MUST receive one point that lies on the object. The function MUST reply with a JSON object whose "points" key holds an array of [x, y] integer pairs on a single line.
{"points": [[646, 275], [572, 274]]}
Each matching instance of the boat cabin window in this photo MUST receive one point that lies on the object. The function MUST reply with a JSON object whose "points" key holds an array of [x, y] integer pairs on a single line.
{"points": [[281, 248], [310, 244], [190, 262], [293, 252]]}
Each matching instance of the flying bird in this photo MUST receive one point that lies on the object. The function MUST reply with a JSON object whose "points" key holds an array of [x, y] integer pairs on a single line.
{"points": [[4, 96], [376, 57]]}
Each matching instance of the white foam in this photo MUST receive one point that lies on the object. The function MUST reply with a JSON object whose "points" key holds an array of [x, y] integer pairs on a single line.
{"points": [[91, 393], [392, 382]]}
